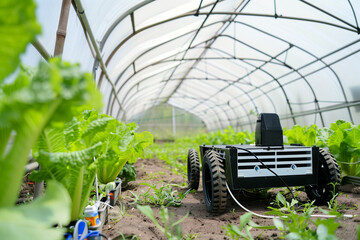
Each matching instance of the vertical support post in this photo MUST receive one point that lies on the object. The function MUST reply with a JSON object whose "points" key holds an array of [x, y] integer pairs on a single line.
{"points": [[61, 32], [38, 188], [173, 122]]}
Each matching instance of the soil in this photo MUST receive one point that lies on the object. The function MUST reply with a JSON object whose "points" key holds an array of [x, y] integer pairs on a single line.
{"points": [[199, 222], [27, 190]]}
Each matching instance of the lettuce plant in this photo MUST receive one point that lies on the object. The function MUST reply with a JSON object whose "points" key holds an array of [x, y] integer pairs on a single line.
{"points": [[127, 173], [53, 95], [302, 135], [89, 143], [120, 143], [344, 143], [75, 170], [48, 96], [36, 219], [71, 163], [342, 139], [18, 27]]}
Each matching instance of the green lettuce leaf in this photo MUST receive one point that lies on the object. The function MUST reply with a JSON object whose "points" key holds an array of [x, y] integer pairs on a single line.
{"points": [[18, 27], [74, 170], [36, 219], [56, 92]]}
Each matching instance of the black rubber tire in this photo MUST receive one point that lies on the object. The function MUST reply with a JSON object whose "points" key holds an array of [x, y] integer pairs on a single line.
{"points": [[214, 182], [193, 169], [329, 172]]}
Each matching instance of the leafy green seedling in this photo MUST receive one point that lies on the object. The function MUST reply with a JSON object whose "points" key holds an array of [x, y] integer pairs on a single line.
{"points": [[296, 224], [127, 173], [242, 231], [131, 237], [169, 227], [190, 236], [122, 208], [162, 196]]}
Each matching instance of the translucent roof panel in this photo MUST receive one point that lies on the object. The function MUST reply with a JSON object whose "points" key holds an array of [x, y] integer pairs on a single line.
{"points": [[224, 61]]}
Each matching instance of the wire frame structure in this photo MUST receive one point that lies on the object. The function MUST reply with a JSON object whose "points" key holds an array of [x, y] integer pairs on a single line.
{"points": [[223, 61]]}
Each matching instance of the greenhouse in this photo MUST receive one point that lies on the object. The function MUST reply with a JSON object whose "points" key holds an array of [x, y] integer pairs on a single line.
{"points": [[192, 119]]}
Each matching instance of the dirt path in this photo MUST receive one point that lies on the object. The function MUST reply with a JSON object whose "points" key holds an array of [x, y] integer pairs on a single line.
{"points": [[200, 223]]}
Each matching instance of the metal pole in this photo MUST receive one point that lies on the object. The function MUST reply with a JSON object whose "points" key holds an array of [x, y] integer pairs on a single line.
{"points": [[41, 49], [38, 185], [61, 32], [83, 18]]}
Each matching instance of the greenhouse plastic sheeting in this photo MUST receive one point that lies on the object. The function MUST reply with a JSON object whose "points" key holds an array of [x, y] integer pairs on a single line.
{"points": [[223, 61]]}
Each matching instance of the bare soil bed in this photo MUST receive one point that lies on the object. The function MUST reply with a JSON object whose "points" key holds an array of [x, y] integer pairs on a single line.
{"points": [[201, 223]]}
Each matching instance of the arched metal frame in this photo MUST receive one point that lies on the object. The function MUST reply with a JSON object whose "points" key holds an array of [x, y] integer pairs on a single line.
{"points": [[127, 100]]}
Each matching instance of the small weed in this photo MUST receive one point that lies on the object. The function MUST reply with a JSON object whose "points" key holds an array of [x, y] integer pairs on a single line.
{"points": [[122, 211], [296, 224], [154, 175], [169, 227], [122, 208], [333, 204], [130, 237], [162, 196], [242, 231], [190, 236]]}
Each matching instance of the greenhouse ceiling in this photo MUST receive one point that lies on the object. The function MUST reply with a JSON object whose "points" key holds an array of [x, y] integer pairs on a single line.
{"points": [[223, 61]]}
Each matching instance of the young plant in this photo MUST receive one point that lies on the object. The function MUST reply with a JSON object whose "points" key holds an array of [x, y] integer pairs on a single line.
{"points": [[243, 230], [127, 173], [130, 237], [191, 236], [297, 224], [169, 227], [162, 196], [333, 203]]}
